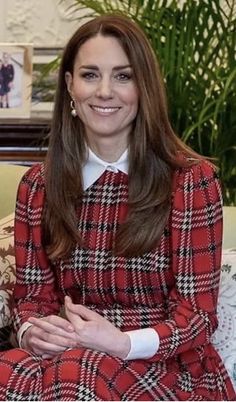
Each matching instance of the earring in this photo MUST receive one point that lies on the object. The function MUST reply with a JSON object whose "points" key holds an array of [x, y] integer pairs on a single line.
{"points": [[73, 110]]}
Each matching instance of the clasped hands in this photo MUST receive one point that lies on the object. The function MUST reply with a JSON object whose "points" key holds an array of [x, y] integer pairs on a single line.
{"points": [[84, 328]]}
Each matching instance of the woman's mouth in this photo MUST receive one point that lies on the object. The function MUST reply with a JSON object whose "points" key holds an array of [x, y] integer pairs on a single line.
{"points": [[104, 109]]}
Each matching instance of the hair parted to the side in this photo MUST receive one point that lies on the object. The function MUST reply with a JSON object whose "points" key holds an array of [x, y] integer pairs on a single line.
{"points": [[154, 149]]}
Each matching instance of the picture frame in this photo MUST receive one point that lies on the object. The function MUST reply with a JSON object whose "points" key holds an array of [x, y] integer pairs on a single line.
{"points": [[15, 80], [44, 80]]}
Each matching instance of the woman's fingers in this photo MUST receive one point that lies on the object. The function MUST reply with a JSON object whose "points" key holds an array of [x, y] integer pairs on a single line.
{"points": [[41, 347], [49, 336], [75, 319], [72, 313], [47, 356], [52, 326], [81, 310], [44, 331], [58, 322]]}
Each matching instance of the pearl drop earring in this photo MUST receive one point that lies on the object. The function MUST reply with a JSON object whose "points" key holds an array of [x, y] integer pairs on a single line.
{"points": [[73, 109]]}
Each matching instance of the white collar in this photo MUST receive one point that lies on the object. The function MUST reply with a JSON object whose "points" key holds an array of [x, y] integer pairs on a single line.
{"points": [[95, 167]]}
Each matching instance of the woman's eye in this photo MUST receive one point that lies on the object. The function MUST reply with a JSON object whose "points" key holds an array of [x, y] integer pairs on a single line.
{"points": [[88, 75], [123, 77]]}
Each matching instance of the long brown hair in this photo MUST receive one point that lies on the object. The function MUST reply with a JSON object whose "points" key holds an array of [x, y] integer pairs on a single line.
{"points": [[154, 149]]}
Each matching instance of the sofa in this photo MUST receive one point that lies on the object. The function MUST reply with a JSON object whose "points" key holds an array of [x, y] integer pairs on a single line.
{"points": [[224, 338]]}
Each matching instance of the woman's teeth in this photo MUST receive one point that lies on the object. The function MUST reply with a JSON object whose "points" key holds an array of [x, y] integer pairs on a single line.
{"points": [[105, 109]]}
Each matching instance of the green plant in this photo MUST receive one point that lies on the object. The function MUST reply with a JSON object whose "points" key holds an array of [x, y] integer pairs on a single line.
{"points": [[195, 42]]}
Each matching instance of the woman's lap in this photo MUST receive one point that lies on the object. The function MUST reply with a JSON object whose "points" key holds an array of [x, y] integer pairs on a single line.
{"points": [[21, 376], [84, 374]]}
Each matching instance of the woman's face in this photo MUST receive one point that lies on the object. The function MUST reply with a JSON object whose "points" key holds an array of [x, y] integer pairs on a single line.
{"points": [[104, 90]]}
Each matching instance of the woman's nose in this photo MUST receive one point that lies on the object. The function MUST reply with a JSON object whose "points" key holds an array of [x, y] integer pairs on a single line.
{"points": [[104, 88]]}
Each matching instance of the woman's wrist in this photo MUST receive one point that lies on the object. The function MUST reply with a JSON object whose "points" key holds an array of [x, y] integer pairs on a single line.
{"points": [[25, 326], [24, 338], [124, 346]]}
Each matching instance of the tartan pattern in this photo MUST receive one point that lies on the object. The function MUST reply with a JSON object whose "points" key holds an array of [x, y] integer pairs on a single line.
{"points": [[21, 376], [173, 289]]}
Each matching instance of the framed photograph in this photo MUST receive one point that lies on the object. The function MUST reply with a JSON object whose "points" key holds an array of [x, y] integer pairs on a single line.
{"points": [[15, 80], [45, 72]]}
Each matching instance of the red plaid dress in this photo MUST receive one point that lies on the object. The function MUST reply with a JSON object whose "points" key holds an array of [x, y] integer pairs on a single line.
{"points": [[172, 289]]}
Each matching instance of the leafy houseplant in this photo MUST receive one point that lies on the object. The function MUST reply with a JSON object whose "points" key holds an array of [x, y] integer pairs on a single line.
{"points": [[195, 42]]}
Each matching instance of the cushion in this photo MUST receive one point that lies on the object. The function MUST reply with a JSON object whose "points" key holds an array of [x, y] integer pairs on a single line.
{"points": [[10, 176], [7, 268], [224, 339]]}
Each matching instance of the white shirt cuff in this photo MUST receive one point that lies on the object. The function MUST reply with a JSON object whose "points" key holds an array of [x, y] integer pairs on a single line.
{"points": [[21, 332], [144, 343]]}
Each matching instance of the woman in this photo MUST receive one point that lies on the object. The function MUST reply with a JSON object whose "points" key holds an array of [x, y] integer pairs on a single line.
{"points": [[122, 225]]}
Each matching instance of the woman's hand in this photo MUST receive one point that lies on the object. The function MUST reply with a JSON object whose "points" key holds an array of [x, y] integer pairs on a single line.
{"points": [[95, 332], [49, 336]]}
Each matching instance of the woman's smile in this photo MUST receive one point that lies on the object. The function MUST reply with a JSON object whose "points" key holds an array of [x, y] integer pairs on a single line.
{"points": [[105, 110]]}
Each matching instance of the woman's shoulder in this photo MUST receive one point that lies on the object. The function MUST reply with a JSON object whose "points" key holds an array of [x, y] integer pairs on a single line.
{"points": [[31, 190], [197, 183], [199, 171], [34, 176]]}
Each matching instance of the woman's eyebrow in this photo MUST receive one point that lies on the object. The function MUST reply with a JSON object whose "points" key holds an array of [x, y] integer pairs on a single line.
{"points": [[121, 67], [94, 67], [89, 67]]}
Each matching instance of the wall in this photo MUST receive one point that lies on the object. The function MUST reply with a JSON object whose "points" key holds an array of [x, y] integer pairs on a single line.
{"points": [[45, 23]]}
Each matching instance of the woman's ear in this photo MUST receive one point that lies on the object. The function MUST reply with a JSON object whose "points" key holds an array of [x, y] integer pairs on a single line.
{"points": [[69, 82]]}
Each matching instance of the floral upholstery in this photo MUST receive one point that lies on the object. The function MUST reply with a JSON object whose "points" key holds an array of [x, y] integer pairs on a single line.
{"points": [[224, 338], [7, 268], [7, 278]]}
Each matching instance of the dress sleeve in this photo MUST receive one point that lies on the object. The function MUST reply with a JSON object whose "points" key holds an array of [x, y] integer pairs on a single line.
{"points": [[35, 291], [196, 240]]}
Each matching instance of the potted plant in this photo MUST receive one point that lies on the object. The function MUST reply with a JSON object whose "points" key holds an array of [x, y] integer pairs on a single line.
{"points": [[195, 42]]}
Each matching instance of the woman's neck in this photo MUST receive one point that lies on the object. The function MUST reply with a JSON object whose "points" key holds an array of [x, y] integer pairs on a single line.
{"points": [[108, 151]]}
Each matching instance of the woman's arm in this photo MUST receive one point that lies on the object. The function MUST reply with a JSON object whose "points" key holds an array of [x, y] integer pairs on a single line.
{"points": [[35, 292], [196, 227]]}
